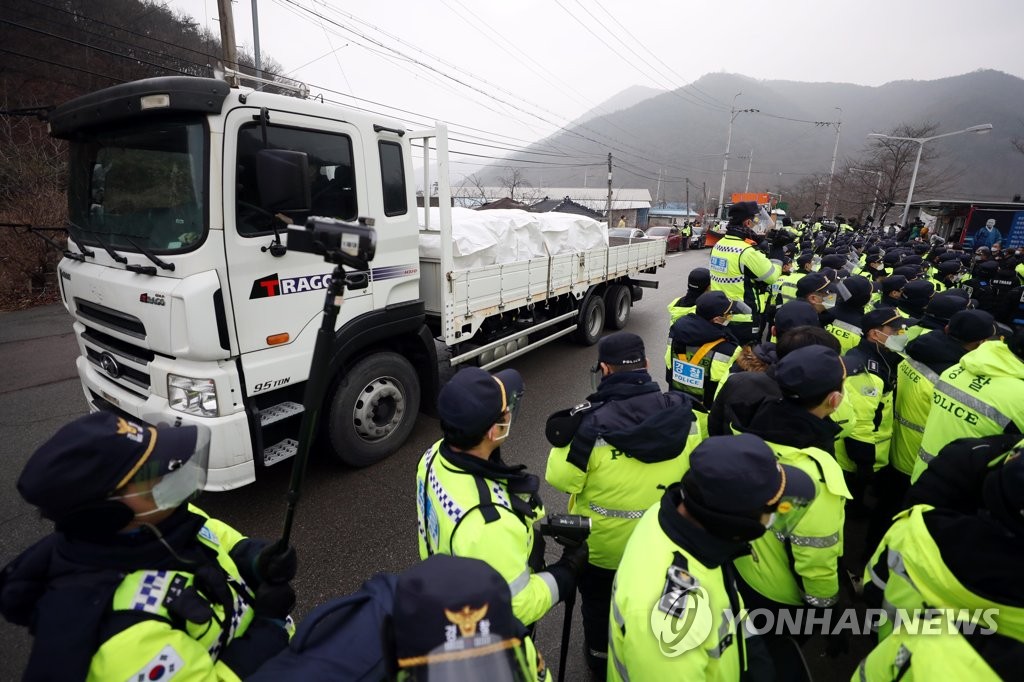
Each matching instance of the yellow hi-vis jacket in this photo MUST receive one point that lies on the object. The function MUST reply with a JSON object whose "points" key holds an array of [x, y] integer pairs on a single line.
{"points": [[735, 264]]}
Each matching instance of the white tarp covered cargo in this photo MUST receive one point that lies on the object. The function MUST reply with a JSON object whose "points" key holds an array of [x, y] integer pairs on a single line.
{"points": [[509, 235]]}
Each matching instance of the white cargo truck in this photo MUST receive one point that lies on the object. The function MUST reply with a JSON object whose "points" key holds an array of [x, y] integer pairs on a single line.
{"points": [[189, 307]]}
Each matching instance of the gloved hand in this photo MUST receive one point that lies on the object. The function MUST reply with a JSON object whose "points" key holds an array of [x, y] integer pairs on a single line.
{"points": [[276, 564], [274, 601], [567, 568]]}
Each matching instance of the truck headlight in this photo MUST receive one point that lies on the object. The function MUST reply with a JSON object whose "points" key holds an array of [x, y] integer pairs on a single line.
{"points": [[192, 396]]}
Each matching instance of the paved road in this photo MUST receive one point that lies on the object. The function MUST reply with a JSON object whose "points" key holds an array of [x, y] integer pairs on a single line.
{"points": [[351, 523]]}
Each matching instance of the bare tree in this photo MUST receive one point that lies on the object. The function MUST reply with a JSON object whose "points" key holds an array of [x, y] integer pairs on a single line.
{"points": [[514, 183], [472, 192]]}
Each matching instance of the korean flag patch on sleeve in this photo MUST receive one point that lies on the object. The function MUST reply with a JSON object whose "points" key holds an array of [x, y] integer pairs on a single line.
{"points": [[164, 666]]}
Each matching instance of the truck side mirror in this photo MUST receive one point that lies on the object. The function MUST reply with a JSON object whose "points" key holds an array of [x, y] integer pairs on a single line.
{"points": [[283, 179]]}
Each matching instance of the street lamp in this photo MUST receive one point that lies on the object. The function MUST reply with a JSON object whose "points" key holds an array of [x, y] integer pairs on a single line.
{"points": [[734, 112], [980, 129], [878, 186]]}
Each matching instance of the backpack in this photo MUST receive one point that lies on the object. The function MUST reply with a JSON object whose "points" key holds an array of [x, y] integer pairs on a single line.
{"points": [[340, 640]]}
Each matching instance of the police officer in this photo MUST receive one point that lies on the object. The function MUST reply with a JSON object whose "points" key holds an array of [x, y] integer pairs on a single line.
{"points": [[623, 446], [914, 299], [697, 282], [740, 271], [890, 291], [676, 606], [1010, 311], [800, 567], [928, 357], [470, 503], [821, 291], [933, 558], [787, 283], [982, 395], [848, 312], [942, 306], [135, 583], [700, 347]]}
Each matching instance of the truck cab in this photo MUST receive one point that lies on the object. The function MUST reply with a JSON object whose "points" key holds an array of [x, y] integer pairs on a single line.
{"points": [[187, 304]]}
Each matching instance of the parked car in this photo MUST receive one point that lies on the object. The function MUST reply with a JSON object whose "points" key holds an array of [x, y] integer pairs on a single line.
{"points": [[675, 240], [626, 232], [697, 237]]}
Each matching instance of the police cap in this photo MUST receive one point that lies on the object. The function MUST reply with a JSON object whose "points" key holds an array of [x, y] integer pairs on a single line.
{"points": [[893, 283], [944, 305], [882, 317], [810, 372], [622, 348], [740, 475], [91, 457], [474, 400], [743, 210], [918, 292], [699, 279], [794, 314], [968, 326], [452, 608]]}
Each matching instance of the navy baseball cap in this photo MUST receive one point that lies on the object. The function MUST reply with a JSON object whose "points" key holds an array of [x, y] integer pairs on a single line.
{"points": [[741, 475], [622, 348], [911, 272], [699, 279], [859, 290], [794, 314], [714, 304], [813, 283], [810, 372], [882, 317], [918, 292], [804, 258], [449, 610], [949, 266], [893, 283], [474, 400], [91, 457], [968, 326], [742, 210], [944, 305]]}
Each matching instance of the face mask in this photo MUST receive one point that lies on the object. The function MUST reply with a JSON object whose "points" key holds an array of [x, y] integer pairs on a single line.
{"points": [[771, 521], [896, 342], [595, 377], [829, 301], [508, 428], [171, 491]]}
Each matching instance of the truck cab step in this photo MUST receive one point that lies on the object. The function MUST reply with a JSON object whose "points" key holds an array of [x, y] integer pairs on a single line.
{"points": [[280, 452], [276, 413]]}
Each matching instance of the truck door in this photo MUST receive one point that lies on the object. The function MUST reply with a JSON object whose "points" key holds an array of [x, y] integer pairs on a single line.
{"points": [[274, 295]]}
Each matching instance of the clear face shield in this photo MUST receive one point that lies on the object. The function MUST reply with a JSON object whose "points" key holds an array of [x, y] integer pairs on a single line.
{"points": [[510, 403], [788, 514], [470, 659], [186, 478]]}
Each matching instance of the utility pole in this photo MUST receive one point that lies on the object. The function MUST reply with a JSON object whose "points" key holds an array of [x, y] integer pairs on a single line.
{"points": [[750, 160], [687, 199], [733, 113], [609, 189], [256, 44], [704, 191], [227, 37], [835, 151], [657, 192]]}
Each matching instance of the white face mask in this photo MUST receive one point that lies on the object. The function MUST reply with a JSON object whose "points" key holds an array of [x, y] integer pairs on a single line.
{"points": [[508, 428], [829, 301], [896, 342], [171, 491]]}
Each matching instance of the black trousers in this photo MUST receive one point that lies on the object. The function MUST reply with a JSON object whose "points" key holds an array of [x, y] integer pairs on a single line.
{"points": [[595, 586]]}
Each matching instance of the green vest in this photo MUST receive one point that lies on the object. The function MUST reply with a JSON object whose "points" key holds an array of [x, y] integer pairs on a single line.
{"points": [[914, 384], [144, 647], [924, 650], [969, 405], [803, 567], [615, 491], [697, 635], [464, 515], [732, 261], [919, 579], [786, 285]]}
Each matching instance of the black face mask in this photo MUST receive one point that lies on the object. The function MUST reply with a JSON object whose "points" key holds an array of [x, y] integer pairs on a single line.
{"points": [[724, 526]]}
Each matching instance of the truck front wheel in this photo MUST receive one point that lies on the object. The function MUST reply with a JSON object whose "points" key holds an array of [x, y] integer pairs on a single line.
{"points": [[373, 409]]}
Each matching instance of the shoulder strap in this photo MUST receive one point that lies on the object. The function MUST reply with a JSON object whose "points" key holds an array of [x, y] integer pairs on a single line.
{"points": [[705, 349]]}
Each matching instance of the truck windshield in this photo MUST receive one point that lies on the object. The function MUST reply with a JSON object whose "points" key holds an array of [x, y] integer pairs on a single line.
{"points": [[143, 183]]}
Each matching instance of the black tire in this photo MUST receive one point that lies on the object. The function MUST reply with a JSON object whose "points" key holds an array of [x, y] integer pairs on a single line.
{"points": [[618, 301], [590, 322], [373, 409]]}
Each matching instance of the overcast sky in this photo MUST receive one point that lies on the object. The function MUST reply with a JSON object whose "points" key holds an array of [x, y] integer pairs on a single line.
{"points": [[517, 70]]}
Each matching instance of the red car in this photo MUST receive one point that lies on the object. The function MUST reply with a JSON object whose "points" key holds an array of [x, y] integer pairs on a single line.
{"points": [[675, 240]]}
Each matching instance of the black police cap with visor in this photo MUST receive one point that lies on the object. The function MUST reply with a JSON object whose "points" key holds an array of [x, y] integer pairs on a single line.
{"points": [[734, 480], [474, 400], [453, 620], [74, 477], [716, 304]]}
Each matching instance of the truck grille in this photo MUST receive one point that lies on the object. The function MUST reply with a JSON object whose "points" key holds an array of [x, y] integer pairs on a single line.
{"points": [[108, 317], [123, 364]]}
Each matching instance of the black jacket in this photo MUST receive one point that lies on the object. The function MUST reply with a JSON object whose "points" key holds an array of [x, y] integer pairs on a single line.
{"points": [[632, 414], [954, 479], [786, 423], [739, 398], [936, 351]]}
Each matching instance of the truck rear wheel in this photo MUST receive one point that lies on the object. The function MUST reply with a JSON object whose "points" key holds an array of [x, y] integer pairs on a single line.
{"points": [[590, 323], [373, 409], [617, 304]]}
